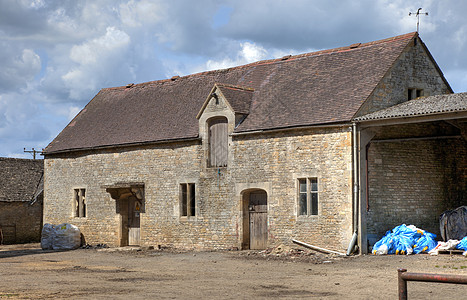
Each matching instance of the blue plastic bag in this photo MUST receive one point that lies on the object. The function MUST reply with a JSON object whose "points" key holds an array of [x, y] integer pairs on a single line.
{"points": [[405, 239], [463, 244], [425, 243]]}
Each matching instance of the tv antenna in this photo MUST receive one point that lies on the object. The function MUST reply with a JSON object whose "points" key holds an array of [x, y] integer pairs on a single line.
{"points": [[417, 14], [33, 151]]}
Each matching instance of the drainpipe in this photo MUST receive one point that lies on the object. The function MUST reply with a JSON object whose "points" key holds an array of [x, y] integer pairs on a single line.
{"points": [[355, 188]]}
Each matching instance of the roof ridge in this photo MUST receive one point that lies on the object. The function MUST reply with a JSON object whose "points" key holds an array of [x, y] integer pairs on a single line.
{"points": [[284, 59]]}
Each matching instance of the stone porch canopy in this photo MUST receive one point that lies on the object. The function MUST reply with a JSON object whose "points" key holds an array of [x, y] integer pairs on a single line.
{"points": [[125, 189]]}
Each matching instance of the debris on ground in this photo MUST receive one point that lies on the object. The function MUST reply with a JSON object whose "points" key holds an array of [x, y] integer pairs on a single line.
{"points": [[405, 239], [98, 246], [451, 246], [289, 253], [315, 248], [443, 246]]}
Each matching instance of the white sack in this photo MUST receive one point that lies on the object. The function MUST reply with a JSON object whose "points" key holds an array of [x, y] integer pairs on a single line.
{"points": [[60, 237], [47, 236], [67, 237]]}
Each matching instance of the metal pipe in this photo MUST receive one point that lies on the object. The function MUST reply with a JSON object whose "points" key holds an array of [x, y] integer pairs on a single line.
{"points": [[402, 284], [367, 194], [355, 175], [355, 184], [352, 243], [403, 277], [317, 248]]}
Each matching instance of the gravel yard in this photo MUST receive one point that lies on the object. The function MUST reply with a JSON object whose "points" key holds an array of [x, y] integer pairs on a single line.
{"points": [[27, 272]]}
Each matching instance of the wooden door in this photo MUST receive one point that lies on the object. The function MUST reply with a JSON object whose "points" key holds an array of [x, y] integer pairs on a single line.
{"points": [[218, 142], [134, 211], [258, 211]]}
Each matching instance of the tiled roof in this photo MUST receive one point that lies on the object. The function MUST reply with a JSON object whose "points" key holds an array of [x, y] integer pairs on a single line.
{"points": [[20, 179], [322, 87], [238, 97], [431, 105]]}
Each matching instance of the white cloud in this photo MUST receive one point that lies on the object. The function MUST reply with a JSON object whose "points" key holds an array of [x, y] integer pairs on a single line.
{"points": [[141, 13], [18, 69], [96, 49], [96, 59], [73, 111], [37, 4], [249, 52]]}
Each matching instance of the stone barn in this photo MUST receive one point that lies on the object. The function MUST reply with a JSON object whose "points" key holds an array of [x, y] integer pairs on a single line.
{"points": [[301, 147], [21, 192]]}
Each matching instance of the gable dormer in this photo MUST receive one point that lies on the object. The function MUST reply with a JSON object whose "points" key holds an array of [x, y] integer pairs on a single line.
{"points": [[223, 110]]}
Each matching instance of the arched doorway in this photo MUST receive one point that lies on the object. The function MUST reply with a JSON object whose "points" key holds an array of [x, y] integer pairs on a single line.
{"points": [[255, 225]]}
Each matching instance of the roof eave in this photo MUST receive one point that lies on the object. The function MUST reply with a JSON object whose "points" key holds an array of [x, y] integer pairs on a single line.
{"points": [[408, 119], [104, 147]]}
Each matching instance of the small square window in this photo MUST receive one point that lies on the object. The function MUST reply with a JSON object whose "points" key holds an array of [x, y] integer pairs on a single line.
{"points": [[187, 199], [308, 196], [79, 203], [414, 93]]}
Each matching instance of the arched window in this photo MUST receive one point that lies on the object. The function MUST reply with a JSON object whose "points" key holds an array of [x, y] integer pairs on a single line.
{"points": [[218, 142]]}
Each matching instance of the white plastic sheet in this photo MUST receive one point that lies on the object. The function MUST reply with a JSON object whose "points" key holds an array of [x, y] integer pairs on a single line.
{"points": [[60, 237], [47, 236]]}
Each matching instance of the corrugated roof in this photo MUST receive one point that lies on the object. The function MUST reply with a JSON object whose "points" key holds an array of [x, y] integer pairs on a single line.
{"points": [[322, 87], [431, 105]]}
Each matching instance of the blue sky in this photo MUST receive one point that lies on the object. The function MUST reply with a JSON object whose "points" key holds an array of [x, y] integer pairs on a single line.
{"points": [[56, 55]]}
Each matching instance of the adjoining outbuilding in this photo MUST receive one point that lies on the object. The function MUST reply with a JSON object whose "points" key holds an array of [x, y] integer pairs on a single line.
{"points": [[257, 155], [413, 163], [21, 195]]}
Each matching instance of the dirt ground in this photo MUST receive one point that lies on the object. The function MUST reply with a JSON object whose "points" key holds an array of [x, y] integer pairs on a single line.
{"points": [[27, 272]]}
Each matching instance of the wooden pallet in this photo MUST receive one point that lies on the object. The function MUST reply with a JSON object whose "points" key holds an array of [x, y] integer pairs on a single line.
{"points": [[451, 252]]}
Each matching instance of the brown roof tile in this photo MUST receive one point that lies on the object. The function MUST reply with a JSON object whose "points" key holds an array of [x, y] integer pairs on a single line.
{"points": [[314, 88], [20, 179], [238, 97]]}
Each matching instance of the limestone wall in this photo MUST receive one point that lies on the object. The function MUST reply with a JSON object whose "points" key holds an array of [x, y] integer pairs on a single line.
{"points": [[20, 222], [259, 161], [414, 69]]}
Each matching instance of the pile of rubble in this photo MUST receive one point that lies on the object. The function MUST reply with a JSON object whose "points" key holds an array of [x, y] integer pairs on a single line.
{"points": [[98, 246], [285, 252]]}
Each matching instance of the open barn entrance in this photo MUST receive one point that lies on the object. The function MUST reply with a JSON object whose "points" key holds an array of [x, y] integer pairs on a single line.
{"points": [[410, 174]]}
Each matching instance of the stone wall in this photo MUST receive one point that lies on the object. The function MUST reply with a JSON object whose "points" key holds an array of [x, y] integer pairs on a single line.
{"points": [[269, 161], [413, 69], [20, 222], [285, 157]]}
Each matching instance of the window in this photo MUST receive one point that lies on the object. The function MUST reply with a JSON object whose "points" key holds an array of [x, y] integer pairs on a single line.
{"points": [[218, 142], [79, 203], [187, 200], [308, 196], [414, 93]]}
